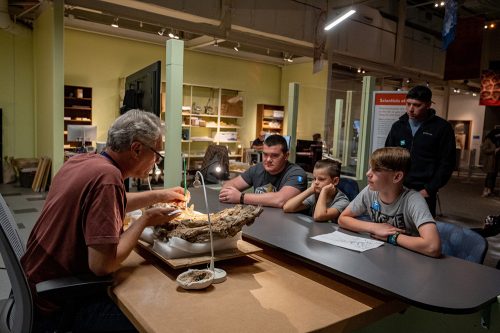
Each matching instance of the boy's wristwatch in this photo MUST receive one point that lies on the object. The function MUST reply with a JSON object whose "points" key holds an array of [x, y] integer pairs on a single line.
{"points": [[393, 239]]}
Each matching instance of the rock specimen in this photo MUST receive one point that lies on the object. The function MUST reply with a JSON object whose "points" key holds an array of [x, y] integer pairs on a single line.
{"points": [[193, 226]]}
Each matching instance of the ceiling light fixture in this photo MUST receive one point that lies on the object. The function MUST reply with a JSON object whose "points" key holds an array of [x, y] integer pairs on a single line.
{"points": [[216, 43], [140, 24], [115, 23], [287, 57], [339, 19], [171, 34], [161, 32], [237, 47]]}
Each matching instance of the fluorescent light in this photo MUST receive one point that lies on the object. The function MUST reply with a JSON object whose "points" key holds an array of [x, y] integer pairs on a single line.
{"points": [[340, 19]]}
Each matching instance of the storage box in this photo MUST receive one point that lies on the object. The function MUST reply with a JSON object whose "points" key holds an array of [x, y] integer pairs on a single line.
{"points": [[26, 177], [231, 109], [227, 136]]}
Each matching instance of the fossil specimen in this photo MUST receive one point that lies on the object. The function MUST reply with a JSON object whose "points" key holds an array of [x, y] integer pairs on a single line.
{"points": [[193, 226], [195, 279]]}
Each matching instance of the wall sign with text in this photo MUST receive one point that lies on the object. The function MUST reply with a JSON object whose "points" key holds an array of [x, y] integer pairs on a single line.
{"points": [[388, 106]]}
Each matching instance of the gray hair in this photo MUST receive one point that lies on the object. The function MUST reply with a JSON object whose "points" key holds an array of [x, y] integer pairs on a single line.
{"points": [[134, 125]]}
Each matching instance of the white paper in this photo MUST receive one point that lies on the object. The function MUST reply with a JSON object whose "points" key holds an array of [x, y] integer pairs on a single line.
{"points": [[355, 243]]}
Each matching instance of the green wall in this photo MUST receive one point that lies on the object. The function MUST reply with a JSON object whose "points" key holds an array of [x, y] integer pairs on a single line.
{"points": [[312, 97], [16, 92], [99, 61]]}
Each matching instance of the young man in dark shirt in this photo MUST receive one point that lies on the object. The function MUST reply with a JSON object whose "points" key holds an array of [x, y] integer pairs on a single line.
{"points": [[275, 180], [431, 142]]}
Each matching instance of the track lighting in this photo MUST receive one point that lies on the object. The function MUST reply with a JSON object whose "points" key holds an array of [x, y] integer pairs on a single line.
{"points": [[237, 47], [216, 43], [115, 23], [161, 32], [171, 34]]}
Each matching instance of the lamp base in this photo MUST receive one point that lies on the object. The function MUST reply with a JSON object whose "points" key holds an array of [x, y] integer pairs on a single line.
{"points": [[220, 275]]}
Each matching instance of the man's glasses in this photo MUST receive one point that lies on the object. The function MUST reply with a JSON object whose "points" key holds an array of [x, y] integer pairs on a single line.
{"points": [[159, 157]]}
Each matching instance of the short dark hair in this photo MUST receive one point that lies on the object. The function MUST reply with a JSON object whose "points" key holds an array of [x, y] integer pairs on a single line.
{"points": [[391, 159], [420, 93], [276, 139], [331, 166]]}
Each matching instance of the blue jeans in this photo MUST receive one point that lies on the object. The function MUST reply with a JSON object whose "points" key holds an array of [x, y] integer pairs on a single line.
{"points": [[95, 315]]}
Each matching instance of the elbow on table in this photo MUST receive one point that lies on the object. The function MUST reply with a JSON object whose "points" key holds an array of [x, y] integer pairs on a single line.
{"points": [[342, 221], [433, 250]]}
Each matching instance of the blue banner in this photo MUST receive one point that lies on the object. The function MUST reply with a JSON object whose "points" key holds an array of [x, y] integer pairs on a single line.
{"points": [[449, 22]]}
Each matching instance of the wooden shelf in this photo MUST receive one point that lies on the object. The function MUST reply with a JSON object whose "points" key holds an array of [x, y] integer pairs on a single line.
{"points": [[263, 117], [77, 104]]}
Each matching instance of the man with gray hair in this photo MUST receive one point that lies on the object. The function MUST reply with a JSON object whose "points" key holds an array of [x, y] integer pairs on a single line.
{"points": [[80, 229]]}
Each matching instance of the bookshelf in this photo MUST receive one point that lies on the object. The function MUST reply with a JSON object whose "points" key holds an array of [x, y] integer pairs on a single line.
{"points": [[77, 111]]}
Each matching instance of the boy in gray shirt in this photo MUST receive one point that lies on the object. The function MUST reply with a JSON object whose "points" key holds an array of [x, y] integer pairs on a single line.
{"points": [[397, 215], [322, 199]]}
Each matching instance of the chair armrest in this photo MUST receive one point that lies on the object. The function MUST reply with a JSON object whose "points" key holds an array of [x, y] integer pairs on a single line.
{"points": [[73, 286]]}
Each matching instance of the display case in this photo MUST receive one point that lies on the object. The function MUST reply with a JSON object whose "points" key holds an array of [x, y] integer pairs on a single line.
{"points": [[210, 115], [77, 111]]}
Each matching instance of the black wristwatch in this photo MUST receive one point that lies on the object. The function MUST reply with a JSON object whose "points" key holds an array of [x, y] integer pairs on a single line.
{"points": [[242, 198]]}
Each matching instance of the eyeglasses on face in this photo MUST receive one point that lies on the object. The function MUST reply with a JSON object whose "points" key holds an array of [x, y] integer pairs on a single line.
{"points": [[159, 157]]}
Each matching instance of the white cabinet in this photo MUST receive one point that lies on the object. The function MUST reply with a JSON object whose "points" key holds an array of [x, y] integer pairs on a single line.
{"points": [[210, 115]]}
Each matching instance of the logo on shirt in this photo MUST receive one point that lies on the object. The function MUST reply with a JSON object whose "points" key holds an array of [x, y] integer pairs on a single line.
{"points": [[265, 189], [402, 143], [300, 179]]}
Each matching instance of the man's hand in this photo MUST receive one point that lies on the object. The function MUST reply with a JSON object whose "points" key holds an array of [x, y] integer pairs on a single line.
{"points": [[229, 194], [174, 194], [157, 216]]}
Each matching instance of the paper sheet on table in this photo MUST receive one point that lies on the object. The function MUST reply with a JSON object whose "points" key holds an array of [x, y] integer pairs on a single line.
{"points": [[355, 243]]}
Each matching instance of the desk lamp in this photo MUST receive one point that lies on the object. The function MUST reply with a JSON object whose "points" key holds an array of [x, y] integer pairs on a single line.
{"points": [[219, 274]]}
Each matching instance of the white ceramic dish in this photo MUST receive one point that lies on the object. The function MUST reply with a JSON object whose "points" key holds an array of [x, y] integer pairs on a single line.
{"points": [[195, 279]]}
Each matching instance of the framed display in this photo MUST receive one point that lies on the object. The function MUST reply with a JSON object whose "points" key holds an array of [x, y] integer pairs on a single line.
{"points": [[462, 130]]}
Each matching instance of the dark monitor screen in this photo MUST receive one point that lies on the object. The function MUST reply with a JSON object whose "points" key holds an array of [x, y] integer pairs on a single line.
{"points": [[143, 90], [304, 145]]}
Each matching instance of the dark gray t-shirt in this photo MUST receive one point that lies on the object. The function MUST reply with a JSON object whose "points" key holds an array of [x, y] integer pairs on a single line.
{"points": [[408, 212], [340, 202], [263, 182]]}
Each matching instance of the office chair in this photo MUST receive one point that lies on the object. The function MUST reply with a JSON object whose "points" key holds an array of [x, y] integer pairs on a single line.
{"points": [[17, 311], [349, 187], [461, 242]]}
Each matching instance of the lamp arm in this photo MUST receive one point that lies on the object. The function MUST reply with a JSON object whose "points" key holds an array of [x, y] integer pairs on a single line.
{"points": [[198, 173], [209, 165]]}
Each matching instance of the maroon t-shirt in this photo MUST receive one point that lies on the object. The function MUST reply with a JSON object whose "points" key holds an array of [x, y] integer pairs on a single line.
{"points": [[85, 206]]}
